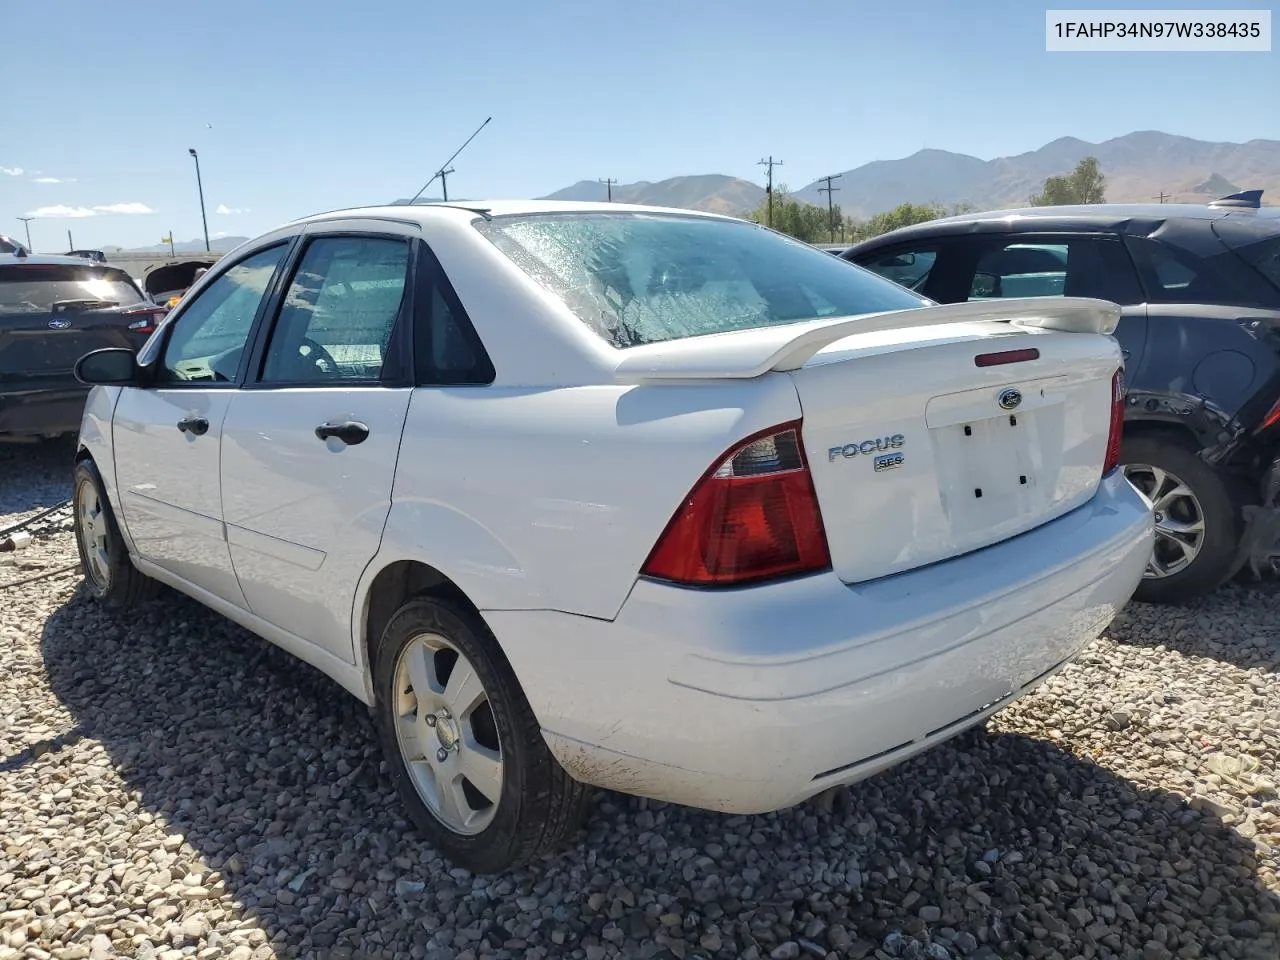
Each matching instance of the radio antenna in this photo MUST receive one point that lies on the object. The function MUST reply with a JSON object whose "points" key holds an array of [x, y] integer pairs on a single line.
{"points": [[444, 167]]}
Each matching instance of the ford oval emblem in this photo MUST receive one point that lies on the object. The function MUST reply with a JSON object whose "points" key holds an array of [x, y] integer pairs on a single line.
{"points": [[59, 324], [1009, 399]]}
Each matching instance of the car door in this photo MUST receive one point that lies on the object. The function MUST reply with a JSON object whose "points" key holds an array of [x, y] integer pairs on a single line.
{"points": [[1073, 265], [166, 435], [309, 446]]}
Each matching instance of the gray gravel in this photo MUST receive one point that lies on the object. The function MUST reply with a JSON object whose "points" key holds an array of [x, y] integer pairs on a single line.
{"points": [[171, 786]]}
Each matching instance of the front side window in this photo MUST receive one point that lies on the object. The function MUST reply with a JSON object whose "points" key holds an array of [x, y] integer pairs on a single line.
{"points": [[909, 268], [339, 311], [637, 278], [209, 336]]}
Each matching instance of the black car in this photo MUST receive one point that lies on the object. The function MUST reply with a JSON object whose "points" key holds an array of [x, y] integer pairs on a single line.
{"points": [[1199, 287], [53, 310]]}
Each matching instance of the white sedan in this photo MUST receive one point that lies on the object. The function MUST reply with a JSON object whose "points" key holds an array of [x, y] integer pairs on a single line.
{"points": [[646, 499]]}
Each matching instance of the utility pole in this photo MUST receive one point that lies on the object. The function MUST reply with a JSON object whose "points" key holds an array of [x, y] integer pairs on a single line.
{"points": [[1163, 196], [444, 183], [26, 222], [769, 165], [200, 186], [71, 244], [828, 190], [608, 183]]}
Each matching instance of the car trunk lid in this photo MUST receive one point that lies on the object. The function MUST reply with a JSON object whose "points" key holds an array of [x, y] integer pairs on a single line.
{"points": [[930, 447]]}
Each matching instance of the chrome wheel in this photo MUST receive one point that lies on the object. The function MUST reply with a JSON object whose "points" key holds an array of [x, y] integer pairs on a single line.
{"points": [[447, 735], [1179, 519], [93, 533]]}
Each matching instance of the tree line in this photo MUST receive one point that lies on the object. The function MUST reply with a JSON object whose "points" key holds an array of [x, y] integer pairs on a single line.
{"points": [[818, 224]]}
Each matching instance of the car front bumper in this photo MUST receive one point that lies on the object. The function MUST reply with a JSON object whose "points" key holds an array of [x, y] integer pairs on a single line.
{"points": [[751, 700]]}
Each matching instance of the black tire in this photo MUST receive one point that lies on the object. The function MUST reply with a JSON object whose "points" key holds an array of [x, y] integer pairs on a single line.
{"points": [[539, 806], [115, 582], [1218, 560]]}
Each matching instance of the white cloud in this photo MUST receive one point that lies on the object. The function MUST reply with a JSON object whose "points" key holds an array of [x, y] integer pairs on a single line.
{"points": [[11, 171], [60, 212], [53, 180], [124, 208], [226, 211], [63, 212]]}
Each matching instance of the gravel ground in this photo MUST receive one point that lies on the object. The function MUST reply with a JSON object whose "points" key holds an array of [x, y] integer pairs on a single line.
{"points": [[171, 786]]}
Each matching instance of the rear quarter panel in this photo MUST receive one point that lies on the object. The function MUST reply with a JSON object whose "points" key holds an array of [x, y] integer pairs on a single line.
{"points": [[552, 498], [1211, 369]]}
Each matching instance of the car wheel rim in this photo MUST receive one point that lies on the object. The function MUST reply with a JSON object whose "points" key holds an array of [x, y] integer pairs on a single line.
{"points": [[1179, 519], [447, 735], [93, 533]]}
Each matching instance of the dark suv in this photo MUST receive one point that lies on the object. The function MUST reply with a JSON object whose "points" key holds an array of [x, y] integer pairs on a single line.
{"points": [[53, 310], [1200, 332]]}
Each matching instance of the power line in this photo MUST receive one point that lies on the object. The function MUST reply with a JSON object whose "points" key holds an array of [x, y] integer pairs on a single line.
{"points": [[829, 190], [608, 183], [769, 165]]}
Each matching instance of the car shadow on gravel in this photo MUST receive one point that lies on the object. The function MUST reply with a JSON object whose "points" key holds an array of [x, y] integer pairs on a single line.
{"points": [[1236, 624], [991, 846], [35, 475]]}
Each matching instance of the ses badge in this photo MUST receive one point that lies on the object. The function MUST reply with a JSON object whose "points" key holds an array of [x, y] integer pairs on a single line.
{"points": [[884, 451]]}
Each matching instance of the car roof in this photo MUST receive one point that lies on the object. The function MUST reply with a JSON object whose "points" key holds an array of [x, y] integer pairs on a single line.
{"points": [[53, 260], [1132, 218], [423, 212]]}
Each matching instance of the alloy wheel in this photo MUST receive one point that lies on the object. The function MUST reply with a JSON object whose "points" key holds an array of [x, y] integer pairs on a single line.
{"points": [[93, 532], [447, 735], [1179, 519]]}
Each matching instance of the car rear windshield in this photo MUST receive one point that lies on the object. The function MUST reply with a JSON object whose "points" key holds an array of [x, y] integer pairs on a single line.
{"points": [[37, 287], [637, 278]]}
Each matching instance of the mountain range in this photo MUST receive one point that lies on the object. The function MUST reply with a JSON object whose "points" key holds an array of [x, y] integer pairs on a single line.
{"points": [[1137, 166]]}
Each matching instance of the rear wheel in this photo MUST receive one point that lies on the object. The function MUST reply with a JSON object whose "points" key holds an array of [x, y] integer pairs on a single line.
{"points": [[1198, 522], [109, 574], [465, 750]]}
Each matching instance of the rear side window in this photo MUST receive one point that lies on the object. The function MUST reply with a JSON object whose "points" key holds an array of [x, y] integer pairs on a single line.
{"points": [[637, 278], [1264, 257], [45, 288]]}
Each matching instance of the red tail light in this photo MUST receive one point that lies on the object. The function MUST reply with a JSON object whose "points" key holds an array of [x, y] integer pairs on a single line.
{"points": [[1116, 434], [145, 319], [1272, 417], [753, 516]]}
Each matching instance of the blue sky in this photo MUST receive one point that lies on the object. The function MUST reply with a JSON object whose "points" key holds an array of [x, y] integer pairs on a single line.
{"points": [[300, 107]]}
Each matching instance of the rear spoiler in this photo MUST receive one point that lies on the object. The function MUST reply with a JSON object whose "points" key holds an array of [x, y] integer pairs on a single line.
{"points": [[743, 354]]}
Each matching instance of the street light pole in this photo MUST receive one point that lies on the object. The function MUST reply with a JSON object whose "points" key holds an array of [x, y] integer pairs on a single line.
{"points": [[26, 222], [200, 186]]}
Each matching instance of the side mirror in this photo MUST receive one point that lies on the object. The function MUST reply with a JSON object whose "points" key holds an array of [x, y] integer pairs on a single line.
{"points": [[109, 367]]}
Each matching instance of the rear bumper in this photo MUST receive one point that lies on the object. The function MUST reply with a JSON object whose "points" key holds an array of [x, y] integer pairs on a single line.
{"points": [[751, 700], [28, 410]]}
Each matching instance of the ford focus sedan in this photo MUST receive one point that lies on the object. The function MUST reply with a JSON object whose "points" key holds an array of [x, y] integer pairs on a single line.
{"points": [[582, 495]]}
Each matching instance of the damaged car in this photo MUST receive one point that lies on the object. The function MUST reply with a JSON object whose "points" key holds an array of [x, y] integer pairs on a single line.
{"points": [[1199, 287]]}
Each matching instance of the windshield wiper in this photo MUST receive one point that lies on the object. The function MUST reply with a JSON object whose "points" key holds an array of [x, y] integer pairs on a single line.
{"points": [[89, 303]]}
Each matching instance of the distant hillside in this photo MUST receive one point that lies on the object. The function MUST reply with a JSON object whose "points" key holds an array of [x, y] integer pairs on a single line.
{"points": [[713, 192], [1138, 166], [217, 245]]}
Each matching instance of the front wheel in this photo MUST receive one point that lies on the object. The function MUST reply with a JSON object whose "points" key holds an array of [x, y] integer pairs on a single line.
{"points": [[1198, 522], [465, 750], [108, 572]]}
